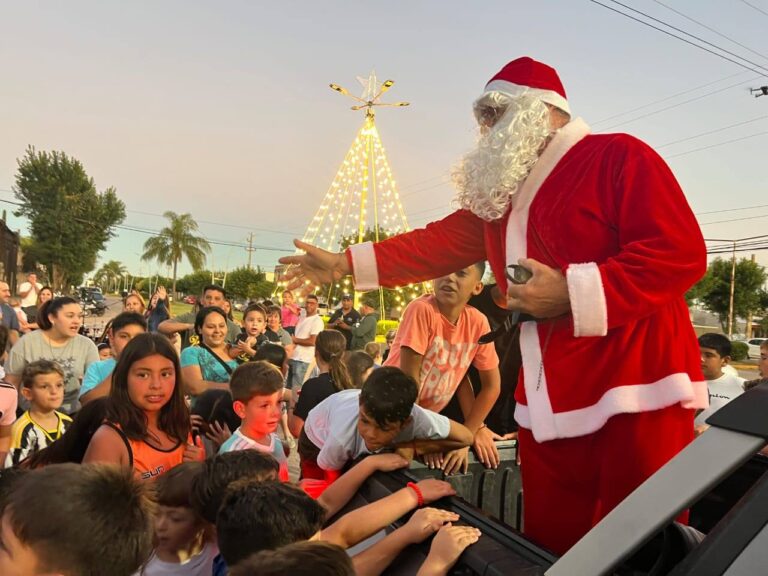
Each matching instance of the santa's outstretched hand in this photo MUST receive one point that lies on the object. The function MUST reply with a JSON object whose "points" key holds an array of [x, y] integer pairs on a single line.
{"points": [[545, 295], [316, 266]]}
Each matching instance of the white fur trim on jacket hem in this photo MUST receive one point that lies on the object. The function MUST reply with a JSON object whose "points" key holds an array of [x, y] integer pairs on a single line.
{"points": [[587, 295], [364, 267], [670, 390]]}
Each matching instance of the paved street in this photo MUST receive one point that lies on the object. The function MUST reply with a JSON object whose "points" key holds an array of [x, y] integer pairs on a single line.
{"points": [[97, 323], [747, 369]]}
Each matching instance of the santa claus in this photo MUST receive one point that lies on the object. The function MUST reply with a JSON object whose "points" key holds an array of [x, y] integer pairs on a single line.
{"points": [[611, 369]]}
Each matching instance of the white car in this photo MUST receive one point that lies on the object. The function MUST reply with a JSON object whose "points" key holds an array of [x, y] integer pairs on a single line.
{"points": [[754, 347]]}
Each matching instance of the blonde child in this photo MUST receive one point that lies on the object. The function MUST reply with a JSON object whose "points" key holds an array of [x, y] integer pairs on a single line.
{"points": [[42, 385]]}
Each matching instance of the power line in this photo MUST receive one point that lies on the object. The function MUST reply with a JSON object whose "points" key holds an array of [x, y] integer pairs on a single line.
{"points": [[239, 226], [716, 145], [731, 250], [210, 241], [683, 103], [411, 193], [672, 97], [732, 209], [710, 29], [668, 33], [711, 132], [754, 7], [734, 220], [216, 242], [420, 182]]}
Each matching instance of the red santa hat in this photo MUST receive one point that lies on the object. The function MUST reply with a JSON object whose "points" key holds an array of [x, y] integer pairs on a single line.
{"points": [[526, 75]]}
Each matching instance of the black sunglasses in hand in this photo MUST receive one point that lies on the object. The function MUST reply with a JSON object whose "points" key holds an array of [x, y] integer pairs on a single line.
{"points": [[516, 274]]}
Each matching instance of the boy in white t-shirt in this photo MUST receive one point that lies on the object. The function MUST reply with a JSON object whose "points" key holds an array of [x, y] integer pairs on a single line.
{"points": [[436, 342], [382, 415], [257, 398], [722, 387]]}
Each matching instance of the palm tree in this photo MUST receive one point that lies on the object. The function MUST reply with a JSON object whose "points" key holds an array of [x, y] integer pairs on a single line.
{"points": [[112, 270], [176, 241]]}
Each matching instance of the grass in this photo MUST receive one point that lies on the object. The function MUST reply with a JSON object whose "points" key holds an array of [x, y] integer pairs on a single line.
{"points": [[179, 308]]}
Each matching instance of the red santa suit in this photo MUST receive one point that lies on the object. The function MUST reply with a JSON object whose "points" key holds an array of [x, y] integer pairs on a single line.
{"points": [[607, 394]]}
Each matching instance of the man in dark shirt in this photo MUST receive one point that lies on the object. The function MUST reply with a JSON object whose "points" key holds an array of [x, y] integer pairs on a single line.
{"points": [[344, 318], [8, 315]]}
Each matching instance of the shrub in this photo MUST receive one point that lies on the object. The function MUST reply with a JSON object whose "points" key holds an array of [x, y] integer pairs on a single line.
{"points": [[384, 326], [739, 350]]}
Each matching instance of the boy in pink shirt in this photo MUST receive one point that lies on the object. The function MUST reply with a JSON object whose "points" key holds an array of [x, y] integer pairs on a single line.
{"points": [[435, 344]]}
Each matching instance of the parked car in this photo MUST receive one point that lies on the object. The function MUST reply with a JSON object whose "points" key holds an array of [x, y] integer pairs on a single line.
{"points": [[190, 299], [754, 347]]}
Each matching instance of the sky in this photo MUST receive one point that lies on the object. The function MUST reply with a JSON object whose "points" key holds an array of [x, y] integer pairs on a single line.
{"points": [[222, 109]]}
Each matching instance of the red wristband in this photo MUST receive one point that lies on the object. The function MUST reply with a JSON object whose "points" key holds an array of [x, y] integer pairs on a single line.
{"points": [[419, 496]]}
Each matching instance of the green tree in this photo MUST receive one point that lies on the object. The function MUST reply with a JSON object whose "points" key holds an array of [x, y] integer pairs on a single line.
{"points": [[70, 222], [714, 289], [176, 241], [249, 283], [109, 275], [30, 255], [193, 283], [143, 284]]}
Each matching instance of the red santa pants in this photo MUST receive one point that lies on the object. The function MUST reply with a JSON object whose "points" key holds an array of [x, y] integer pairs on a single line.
{"points": [[570, 484]]}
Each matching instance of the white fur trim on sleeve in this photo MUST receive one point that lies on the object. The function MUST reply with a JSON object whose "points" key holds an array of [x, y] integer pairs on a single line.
{"points": [[585, 289], [364, 266]]}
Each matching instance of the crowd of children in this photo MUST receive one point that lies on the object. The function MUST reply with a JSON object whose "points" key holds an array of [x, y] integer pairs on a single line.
{"points": [[170, 463], [209, 430]]}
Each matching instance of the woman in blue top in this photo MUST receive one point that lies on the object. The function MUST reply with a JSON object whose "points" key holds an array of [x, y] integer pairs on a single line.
{"points": [[208, 365]]}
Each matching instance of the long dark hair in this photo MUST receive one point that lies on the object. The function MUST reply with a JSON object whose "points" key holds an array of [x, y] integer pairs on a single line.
{"points": [[72, 445], [203, 314], [358, 362], [51, 308], [329, 347], [174, 416]]}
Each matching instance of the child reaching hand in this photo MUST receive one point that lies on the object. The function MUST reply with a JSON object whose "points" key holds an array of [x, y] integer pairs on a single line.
{"points": [[381, 416], [436, 343]]}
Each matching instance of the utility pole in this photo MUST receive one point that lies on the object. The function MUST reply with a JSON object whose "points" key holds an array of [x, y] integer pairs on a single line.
{"points": [[748, 330], [733, 273], [250, 249], [733, 287]]}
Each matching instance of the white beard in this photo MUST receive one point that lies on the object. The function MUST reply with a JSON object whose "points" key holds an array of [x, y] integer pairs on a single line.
{"points": [[487, 177]]}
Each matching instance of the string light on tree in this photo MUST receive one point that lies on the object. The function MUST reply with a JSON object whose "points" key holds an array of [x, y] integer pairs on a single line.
{"points": [[363, 196]]}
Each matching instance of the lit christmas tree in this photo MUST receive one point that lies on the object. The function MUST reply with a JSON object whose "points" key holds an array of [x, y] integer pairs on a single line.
{"points": [[363, 203]]}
